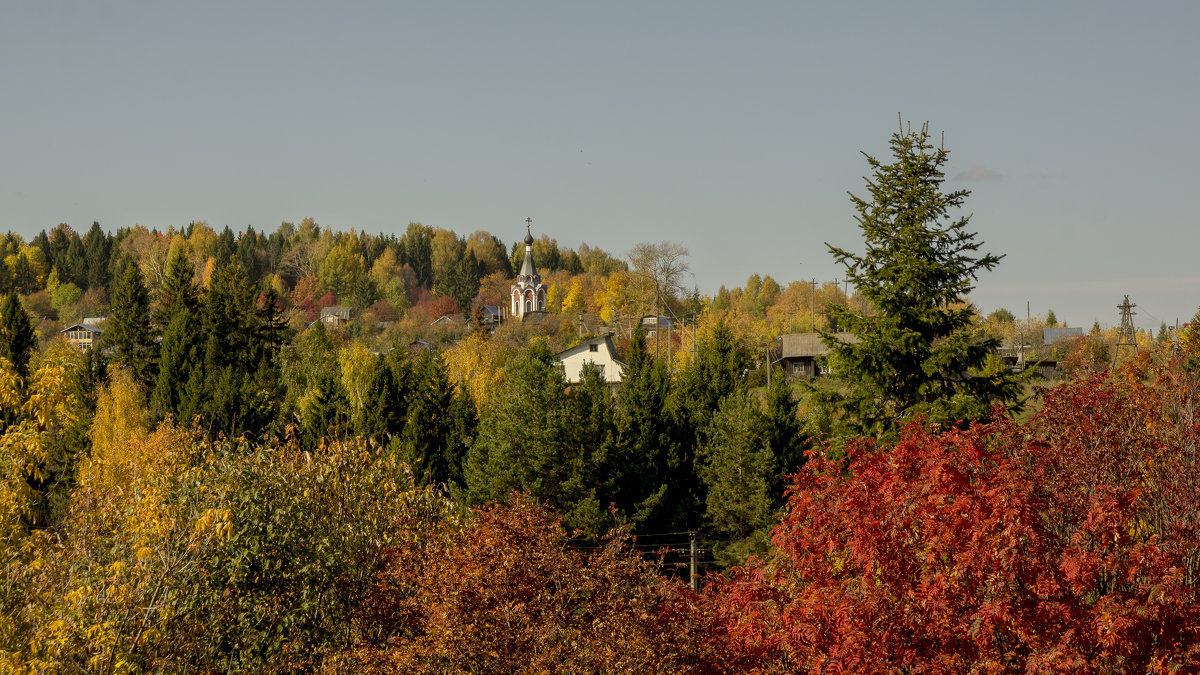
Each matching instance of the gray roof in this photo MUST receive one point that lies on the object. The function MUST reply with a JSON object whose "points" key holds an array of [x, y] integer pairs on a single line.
{"points": [[341, 312], [527, 267], [87, 326], [1052, 335], [797, 345]]}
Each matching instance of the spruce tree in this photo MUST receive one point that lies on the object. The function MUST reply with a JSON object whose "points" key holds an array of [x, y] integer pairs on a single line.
{"points": [[439, 429], [783, 434], [327, 414], [72, 265], [127, 330], [17, 338], [644, 439], [178, 291], [97, 246], [181, 361], [915, 352], [738, 469]]}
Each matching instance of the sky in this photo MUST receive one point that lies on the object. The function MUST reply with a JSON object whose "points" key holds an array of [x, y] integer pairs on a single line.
{"points": [[734, 129]]}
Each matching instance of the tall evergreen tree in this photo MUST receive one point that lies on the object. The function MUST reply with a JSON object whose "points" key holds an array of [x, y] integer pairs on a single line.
{"points": [[97, 246], [72, 264], [225, 248], [17, 338], [6, 279], [327, 415], [418, 252], [784, 436], [915, 352], [464, 281], [248, 255], [440, 427], [529, 442], [178, 388], [645, 440], [178, 292], [240, 355], [738, 470], [127, 330], [717, 371]]}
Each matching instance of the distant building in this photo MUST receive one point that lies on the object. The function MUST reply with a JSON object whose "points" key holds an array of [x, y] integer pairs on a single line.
{"points": [[1052, 335], [803, 354], [489, 317], [528, 293], [336, 317], [82, 335], [598, 350], [447, 320], [652, 324]]}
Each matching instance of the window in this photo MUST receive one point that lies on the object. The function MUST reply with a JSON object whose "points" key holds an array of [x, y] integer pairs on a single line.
{"points": [[528, 306], [601, 367], [593, 348]]}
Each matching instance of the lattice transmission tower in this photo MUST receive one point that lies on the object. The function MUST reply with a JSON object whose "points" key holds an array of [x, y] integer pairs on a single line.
{"points": [[1126, 335]]}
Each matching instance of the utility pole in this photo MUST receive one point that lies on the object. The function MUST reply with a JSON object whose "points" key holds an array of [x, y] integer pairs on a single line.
{"points": [[1126, 335], [693, 553], [814, 305]]}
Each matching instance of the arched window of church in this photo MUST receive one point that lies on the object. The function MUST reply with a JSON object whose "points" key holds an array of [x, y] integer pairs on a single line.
{"points": [[528, 306]]}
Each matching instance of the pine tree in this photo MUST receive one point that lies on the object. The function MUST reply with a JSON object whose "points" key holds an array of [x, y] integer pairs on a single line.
{"points": [[240, 355], [737, 466], [527, 438], [127, 330], [179, 291], [17, 338], [97, 246], [181, 363], [327, 414], [72, 265], [439, 429], [644, 439], [784, 435], [463, 283], [915, 352]]}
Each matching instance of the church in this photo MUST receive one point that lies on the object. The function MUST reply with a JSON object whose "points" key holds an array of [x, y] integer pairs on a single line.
{"points": [[528, 293]]}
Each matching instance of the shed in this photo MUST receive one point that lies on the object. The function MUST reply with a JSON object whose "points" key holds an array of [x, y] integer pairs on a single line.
{"points": [[803, 354]]}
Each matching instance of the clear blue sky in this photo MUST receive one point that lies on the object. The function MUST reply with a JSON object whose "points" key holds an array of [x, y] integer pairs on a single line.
{"points": [[732, 128]]}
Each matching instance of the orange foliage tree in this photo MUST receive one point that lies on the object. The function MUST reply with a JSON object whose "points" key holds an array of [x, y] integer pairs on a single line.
{"points": [[508, 594]]}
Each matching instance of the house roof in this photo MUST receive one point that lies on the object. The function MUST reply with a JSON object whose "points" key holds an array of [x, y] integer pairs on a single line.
{"points": [[652, 321], [1052, 335], [605, 339], [796, 345], [340, 311], [85, 326]]}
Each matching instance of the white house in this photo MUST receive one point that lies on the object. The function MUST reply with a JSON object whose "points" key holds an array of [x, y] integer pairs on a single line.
{"points": [[598, 350]]}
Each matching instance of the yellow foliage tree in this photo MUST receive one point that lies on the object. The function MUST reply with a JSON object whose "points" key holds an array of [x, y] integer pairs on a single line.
{"points": [[29, 444], [476, 365], [357, 363]]}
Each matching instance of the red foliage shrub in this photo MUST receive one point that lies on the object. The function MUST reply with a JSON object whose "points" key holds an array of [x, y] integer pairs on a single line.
{"points": [[1069, 543]]}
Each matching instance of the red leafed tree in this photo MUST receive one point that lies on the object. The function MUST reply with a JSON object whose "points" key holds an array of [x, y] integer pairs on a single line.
{"points": [[506, 594], [1066, 544]]}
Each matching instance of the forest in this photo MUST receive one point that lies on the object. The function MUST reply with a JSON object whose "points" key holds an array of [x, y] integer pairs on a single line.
{"points": [[225, 484]]}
